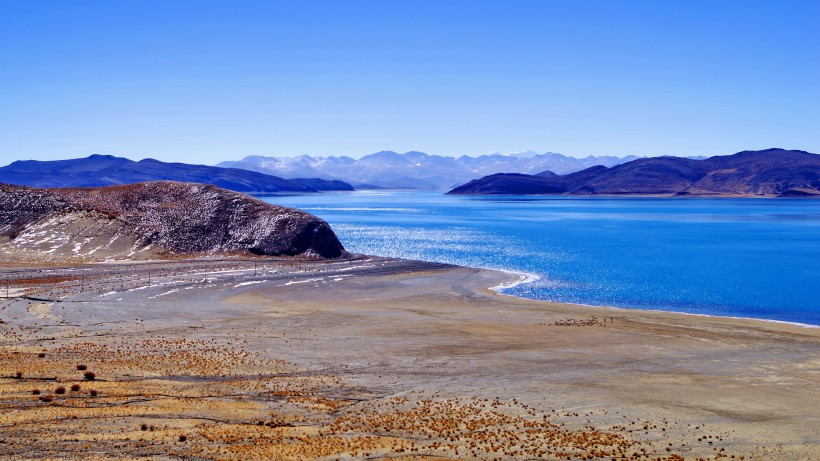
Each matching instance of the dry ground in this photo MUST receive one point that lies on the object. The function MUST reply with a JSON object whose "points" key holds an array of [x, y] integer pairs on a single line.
{"points": [[381, 359]]}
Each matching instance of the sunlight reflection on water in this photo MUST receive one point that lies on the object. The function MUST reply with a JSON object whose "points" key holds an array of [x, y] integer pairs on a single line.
{"points": [[739, 257]]}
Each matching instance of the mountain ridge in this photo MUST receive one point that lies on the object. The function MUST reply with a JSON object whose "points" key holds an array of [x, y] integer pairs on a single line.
{"points": [[389, 169], [107, 170], [770, 172]]}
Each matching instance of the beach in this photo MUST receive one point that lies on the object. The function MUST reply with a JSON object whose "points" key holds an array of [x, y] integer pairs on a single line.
{"points": [[377, 358]]}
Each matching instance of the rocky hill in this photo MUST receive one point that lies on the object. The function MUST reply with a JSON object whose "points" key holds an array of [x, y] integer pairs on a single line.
{"points": [[107, 170], [767, 173], [154, 219]]}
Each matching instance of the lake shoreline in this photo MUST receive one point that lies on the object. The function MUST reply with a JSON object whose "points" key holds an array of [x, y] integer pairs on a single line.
{"points": [[373, 336], [528, 278], [702, 256]]}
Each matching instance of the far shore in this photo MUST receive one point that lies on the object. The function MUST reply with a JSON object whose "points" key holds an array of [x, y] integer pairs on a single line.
{"points": [[381, 358], [630, 195]]}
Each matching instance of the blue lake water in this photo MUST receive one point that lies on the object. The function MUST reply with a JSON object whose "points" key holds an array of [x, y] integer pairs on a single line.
{"points": [[755, 258]]}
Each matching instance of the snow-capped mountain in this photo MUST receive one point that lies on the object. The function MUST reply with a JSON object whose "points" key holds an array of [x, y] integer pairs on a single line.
{"points": [[418, 170]]}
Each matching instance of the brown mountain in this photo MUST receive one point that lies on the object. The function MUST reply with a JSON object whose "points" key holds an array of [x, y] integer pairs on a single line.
{"points": [[154, 219], [767, 173]]}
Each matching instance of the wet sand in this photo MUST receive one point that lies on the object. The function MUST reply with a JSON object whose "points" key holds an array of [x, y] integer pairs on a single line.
{"points": [[378, 358]]}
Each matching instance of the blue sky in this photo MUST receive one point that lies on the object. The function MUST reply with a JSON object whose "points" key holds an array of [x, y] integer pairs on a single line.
{"points": [[201, 82]]}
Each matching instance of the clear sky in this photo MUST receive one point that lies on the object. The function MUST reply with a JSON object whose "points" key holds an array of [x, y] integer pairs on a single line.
{"points": [[202, 81]]}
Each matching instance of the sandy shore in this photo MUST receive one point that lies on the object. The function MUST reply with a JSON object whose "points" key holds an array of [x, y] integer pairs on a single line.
{"points": [[377, 358]]}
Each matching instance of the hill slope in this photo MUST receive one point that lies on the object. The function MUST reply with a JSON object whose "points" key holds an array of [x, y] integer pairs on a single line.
{"points": [[770, 173], [155, 219], [106, 170]]}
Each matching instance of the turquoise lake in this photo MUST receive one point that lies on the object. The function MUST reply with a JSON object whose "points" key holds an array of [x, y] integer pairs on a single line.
{"points": [[756, 258]]}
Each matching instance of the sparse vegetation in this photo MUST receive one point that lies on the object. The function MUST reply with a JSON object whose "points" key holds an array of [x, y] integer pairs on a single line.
{"points": [[238, 403]]}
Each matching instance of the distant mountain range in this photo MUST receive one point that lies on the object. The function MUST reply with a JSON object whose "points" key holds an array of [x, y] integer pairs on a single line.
{"points": [[417, 170], [107, 170], [770, 172]]}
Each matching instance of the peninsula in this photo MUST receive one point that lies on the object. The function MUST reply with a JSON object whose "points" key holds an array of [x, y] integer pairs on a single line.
{"points": [[150, 220]]}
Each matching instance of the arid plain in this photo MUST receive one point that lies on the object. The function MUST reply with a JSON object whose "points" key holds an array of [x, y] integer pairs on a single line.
{"points": [[375, 358]]}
